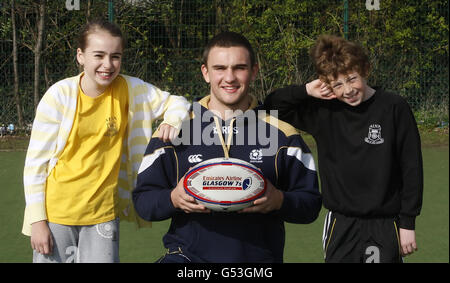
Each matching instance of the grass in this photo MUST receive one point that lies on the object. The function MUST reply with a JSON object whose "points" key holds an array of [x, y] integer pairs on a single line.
{"points": [[430, 136], [432, 225], [303, 242]]}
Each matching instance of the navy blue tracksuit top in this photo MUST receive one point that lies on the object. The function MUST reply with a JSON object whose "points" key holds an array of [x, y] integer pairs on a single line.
{"points": [[271, 145]]}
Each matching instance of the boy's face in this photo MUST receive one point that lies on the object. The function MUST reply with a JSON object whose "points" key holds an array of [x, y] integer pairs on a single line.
{"points": [[350, 88], [229, 73]]}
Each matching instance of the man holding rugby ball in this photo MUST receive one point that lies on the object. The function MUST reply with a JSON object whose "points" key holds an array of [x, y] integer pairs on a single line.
{"points": [[224, 117]]}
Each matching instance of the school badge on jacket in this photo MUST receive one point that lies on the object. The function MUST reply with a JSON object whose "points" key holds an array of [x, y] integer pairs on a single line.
{"points": [[374, 135]]}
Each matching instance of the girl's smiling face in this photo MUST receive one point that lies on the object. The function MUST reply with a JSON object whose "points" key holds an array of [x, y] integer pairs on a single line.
{"points": [[101, 61]]}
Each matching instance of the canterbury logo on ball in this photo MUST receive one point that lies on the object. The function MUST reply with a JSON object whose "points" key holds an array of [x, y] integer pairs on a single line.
{"points": [[195, 158]]}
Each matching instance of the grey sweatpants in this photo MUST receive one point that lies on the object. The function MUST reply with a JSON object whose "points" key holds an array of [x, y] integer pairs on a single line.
{"points": [[92, 243]]}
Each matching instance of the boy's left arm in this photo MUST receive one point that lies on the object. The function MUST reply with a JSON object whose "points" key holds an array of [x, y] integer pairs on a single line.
{"points": [[410, 156]]}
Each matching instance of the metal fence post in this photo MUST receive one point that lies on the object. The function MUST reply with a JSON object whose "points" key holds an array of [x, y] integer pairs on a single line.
{"points": [[111, 11], [346, 19]]}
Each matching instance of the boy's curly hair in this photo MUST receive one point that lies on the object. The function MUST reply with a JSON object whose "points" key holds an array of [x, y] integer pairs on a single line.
{"points": [[334, 55]]}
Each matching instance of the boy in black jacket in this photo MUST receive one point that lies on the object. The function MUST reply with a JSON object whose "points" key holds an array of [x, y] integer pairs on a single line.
{"points": [[369, 155], [256, 233]]}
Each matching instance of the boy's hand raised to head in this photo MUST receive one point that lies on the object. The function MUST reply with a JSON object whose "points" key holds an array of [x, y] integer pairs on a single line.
{"points": [[319, 89]]}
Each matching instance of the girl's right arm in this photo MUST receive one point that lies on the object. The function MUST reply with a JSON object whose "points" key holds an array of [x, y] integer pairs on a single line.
{"points": [[42, 147], [41, 238]]}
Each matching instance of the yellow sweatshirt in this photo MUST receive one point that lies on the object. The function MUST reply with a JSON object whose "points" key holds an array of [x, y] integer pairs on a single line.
{"points": [[52, 126]]}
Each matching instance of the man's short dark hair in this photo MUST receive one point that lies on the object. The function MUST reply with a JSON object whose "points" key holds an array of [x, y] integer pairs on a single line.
{"points": [[229, 39]]}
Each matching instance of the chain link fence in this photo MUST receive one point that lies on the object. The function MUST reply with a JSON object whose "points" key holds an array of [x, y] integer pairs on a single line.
{"points": [[407, 42]]}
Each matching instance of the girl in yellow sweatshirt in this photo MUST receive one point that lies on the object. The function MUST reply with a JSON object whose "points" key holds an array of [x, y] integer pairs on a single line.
{"points": [[87, 142]]}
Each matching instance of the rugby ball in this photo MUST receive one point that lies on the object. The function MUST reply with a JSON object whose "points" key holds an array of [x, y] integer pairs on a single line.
{"points": [[225, 184]]}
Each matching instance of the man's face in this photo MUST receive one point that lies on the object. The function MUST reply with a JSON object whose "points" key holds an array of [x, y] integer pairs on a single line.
{"points": [[229, 73]]}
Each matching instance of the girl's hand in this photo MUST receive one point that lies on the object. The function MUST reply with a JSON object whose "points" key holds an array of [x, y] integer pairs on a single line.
{"points": [[167, 133], [41, 238]]}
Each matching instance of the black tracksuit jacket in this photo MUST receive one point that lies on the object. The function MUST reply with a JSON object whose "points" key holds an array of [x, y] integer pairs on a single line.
{"points": [[369, 156]]}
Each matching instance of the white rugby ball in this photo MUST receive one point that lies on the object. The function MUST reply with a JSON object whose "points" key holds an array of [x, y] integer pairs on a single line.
{"points": [[225, 184]]}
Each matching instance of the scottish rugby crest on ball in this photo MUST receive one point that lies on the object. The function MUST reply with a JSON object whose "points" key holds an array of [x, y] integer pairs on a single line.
{"points": [[225, 184]]}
